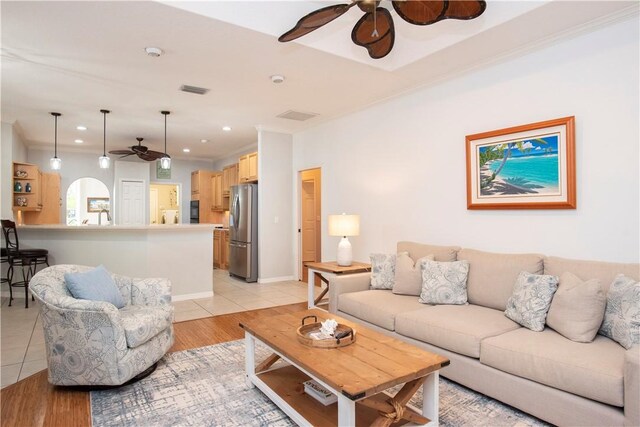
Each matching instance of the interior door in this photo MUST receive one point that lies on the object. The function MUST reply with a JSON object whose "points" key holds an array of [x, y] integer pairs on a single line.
{"points": [[132, 204], [310, 211]]}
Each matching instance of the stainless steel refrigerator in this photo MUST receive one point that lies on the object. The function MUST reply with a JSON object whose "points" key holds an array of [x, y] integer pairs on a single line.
{"points": [[243, 232]]}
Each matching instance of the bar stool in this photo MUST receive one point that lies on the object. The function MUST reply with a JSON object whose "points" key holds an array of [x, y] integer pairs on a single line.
{"points": [[23, 258], [4, 259]]}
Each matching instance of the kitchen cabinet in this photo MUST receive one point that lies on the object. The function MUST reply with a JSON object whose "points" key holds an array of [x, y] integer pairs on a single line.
{"points": [[201, 189], [221, 249], [36, 195], [216, 192], [195, 182], [50, 202], [229, 178], [248, 168]]}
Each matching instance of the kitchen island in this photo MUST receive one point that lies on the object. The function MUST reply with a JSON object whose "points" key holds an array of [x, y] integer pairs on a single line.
{"points": [[182, 252]]}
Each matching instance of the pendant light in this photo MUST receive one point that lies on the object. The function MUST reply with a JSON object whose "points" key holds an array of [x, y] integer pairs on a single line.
{"points": [[165, 162], [104, 160], [55, 162]]}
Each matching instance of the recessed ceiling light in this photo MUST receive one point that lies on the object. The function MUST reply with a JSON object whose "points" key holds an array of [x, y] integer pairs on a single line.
{"points": [[226, 128], [153, 51], [204, 140], [80, 127], [186, 150], [78, 141], [277, 78]]}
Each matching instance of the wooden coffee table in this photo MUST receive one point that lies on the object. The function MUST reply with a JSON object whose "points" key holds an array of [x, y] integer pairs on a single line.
{"points": [[357, 374]]}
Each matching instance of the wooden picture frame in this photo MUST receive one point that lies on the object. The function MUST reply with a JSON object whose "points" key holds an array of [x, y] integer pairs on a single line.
{"points": [[523, 167], [96, 204]]}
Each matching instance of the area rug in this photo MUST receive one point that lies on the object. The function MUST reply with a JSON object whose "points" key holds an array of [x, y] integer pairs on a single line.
{"points": [[206, 387]]}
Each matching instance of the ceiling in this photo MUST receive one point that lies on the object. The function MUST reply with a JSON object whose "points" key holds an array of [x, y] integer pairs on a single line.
{"points": [[79, 57]]}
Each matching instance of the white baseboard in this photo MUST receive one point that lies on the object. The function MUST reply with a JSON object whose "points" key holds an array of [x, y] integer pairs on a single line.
{"points": [[276, 279], [198, 295]]}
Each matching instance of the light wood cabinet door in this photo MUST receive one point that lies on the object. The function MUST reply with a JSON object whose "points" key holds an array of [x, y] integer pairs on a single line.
{"points": [[224, 248], [217, 249], [229, 178], [248, 168], [216, 192], [253, 167], [195, 182]]}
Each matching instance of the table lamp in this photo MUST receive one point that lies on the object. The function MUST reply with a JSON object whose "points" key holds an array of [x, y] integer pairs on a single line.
{"points": [[344, 225]]}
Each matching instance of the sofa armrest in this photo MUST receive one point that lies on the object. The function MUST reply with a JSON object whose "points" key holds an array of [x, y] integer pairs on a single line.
{"points": [[346, 284], [153, 291], [632, 386]]}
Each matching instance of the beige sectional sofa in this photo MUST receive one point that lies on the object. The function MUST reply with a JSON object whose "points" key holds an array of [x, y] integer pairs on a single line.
{"points": [[542, 373]]}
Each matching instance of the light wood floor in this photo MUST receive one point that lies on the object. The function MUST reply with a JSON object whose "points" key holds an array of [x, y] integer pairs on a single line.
{"points": [[34, 402]]}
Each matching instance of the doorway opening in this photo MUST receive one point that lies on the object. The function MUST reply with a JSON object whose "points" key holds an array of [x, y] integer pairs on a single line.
{"points": [[164, 204], [87, 198], [310, 219]]}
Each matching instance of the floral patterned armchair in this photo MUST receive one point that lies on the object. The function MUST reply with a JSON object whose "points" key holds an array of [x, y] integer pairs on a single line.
{"points": [[94, 343]]}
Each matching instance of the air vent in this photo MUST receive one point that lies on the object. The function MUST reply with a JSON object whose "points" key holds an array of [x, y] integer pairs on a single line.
{"points": [[194, 89], [296, 115]]}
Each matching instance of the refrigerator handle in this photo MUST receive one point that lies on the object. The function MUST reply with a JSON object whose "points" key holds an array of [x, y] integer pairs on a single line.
{"points": [[236, 212]]}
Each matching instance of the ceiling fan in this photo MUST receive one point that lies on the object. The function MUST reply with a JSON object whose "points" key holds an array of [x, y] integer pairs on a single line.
{"points": [[141, 151], [375, 30]]}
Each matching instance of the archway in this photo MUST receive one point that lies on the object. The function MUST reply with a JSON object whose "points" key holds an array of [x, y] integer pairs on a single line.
{"points": [[86, 199]]}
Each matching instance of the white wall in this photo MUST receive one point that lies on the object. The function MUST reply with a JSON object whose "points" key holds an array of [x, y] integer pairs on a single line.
{"points": [[275, 207], [401, 164]]}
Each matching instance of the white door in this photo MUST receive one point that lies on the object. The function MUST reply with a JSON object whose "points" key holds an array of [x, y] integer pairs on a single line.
{"points": [[132, 203]]}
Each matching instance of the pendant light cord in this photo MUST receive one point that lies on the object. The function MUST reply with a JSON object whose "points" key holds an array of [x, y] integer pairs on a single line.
{"points": [[165, 134], [55, 138], [104, 135]]}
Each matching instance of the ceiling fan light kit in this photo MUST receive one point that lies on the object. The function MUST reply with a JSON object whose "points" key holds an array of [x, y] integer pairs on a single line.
{"points": [[375, 31], [55, 162], [104, 160]]}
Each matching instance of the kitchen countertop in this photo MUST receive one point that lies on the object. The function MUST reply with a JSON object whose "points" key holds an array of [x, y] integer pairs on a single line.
{"points": [[172, 227]]}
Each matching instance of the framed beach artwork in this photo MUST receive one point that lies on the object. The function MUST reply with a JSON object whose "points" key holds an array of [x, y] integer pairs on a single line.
{"points": [[523, 167], [97, 204]]}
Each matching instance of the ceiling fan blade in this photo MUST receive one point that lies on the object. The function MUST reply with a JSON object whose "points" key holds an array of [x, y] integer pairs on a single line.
{"points": [[423, 12], [120, 152], [363, 33], [127, 155], [146, 157], [139, 149], [463, 9], [155, 154], [315, 20]]}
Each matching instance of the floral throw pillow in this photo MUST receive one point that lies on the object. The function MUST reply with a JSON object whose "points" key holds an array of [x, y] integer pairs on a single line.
{"points": [[622, 315], [531, 299], [444, 282], [383, 271]]}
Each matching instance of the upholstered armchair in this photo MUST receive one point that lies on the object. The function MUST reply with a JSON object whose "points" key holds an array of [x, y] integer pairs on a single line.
{"points": [[94, 343]]}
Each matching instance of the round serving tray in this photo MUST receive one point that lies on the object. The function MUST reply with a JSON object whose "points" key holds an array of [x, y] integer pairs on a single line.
{"points": [[345, 334]]}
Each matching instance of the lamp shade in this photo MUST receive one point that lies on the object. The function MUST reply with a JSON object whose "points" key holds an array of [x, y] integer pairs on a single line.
{"points": [[344, 225]]}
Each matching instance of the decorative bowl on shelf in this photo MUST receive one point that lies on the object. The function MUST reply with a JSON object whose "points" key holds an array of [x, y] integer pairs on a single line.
{"points": [[21, 173], [21, 201]]}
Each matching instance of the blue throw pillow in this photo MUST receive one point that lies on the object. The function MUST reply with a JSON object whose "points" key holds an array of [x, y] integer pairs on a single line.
{"points": [[94, 285]]}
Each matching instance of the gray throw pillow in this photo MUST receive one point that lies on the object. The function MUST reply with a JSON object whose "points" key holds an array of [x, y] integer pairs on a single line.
{"points": [[622, 315], [94, 285], [577, 308], [444, 282], [383, 270], [408, 278], [530, 300]]}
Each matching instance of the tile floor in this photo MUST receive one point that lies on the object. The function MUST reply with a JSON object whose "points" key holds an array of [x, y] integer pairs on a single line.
{"points": [[22, 351]]}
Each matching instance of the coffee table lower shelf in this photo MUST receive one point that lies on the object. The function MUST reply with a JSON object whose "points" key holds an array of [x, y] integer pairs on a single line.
{"points": [[284, 386]]}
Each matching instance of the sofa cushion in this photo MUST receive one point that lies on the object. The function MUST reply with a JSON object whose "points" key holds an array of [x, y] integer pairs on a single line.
{"points": [[605, 272], [532, 295], [444, 282], [622, 315], [492, 275], [458, 328], [577, 308], [592, 370], [408, 279], [377, 306], [141, 323], [419, 250]]}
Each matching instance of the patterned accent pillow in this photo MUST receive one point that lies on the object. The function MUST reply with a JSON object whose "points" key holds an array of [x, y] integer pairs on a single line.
{"points": [[444, 282], [622, 315], [383, 270], [531, 299]]}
